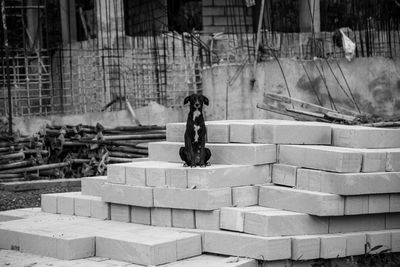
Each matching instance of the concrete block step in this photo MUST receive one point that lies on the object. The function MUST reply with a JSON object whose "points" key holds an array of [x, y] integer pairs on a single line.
{"points": [[242, 154], [326, 158], [364, 137], [348, 183], [92, 186], [174, 175], [283, 174], [314, 203]]}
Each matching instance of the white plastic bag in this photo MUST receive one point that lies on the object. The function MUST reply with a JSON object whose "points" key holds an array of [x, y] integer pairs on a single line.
{"points": [[349, 46]]}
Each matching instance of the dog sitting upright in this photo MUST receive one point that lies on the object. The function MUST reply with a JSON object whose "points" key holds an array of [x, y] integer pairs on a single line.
{"points": [[194, 153]]}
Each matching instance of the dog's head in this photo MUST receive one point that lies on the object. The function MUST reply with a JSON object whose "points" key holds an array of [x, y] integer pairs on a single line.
{"points": [[196, 101]]}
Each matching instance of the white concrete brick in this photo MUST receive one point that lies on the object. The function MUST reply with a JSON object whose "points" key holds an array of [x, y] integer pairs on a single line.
{"points": [[161, 217], [49, 203], [320, 157], [292, 132], [277, 223], [355, 243], [241, 132], [176, 178], [9, 239], [207, 220], [243, 245], [356, 223], [379, 238], [245, 154], [232, 218], [121, 213], [65, 203], [394, 203], [92, 185], [75, 248], [217, 176], [175, 131], [189, 246], [283, 174], [128, 195], [314, 203], [136, 175], [217, 132], [348, 183], [378, 203], [392, 221], [155, 177], [82, 205], [305, 247], [116, 173], [332, 246], [364, 137], [183, 218], [393, 160], [356, 205], [140, 215], [373, 161], [395, 238], [197, 199], [244, 196], [99, 209]]}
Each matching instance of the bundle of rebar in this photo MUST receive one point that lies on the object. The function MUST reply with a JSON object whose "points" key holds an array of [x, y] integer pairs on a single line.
{"points": [[73, 151]]}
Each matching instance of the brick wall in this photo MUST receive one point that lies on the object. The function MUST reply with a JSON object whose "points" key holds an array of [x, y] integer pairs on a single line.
{"points": [[226, 16]]}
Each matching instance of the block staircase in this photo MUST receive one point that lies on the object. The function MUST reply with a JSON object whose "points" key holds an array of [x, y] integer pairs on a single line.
{"points": [[276, 191]]}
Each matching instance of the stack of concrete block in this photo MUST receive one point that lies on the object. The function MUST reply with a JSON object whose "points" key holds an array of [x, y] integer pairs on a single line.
{"points": [[330, 192]]}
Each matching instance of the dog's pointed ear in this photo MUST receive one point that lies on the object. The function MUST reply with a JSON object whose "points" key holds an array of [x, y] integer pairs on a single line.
{"points": [[206, 102], [186, 100]]}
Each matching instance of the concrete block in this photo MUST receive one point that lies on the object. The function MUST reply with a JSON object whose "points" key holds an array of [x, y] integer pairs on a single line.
{"points": [[121, 213], [245, 154], [395, 237], [92, 185], [241, 132], [379, 238], [244, 196], [183, 218], [394, 203], [364, 137], [207, 220], [9, 239], [99, 209], [217, 176], [116, 173], [378, 203], [332, 246], [356, 223], [135, 175], [128, 195], [373, 161], [356, 205], [305, 247], [175, 131], [320, 157], [314, 203], [278, 222], [176, 178], [291, 132], [82, 206], [49, 203], [143, 250], [161, 217], [348, 183], [76, 248], [392, 221], [188, 246], [393, 160], [217, 132], [283, 174], [232, 218], [155, 177], [355, 243], [140, 215], [65, 203], [243, 245], [197, 199]]}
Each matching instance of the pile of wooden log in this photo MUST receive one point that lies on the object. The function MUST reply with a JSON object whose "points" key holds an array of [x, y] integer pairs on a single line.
{"points": [[73, 151]]}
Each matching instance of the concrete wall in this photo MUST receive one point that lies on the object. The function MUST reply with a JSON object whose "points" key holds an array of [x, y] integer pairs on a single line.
{"points": [[374, 82]]}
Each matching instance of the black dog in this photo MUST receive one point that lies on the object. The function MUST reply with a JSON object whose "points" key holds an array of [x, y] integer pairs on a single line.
{"points": [[195, 153]]}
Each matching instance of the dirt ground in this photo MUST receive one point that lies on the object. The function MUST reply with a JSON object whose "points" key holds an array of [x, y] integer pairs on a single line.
{"points": [[28, 199]]}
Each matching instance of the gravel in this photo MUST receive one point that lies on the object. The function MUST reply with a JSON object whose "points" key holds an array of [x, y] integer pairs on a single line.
{"points": [[28, 199]]}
